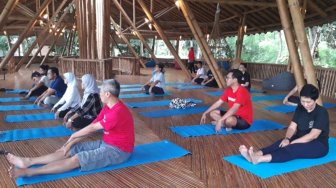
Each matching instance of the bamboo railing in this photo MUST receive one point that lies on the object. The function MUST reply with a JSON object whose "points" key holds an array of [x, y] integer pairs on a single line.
{"points": [[100, 68], [327, 76]]}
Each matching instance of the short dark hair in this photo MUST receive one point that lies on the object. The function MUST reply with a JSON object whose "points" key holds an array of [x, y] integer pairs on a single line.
{"points": [[309, 91], [236, 74], [44, 67], [200, 62], [54, 70], [35, 74], [161, 67]]}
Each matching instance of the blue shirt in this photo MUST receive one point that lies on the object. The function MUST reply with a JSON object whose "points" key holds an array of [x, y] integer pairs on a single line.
{"points": [[59, 86]]}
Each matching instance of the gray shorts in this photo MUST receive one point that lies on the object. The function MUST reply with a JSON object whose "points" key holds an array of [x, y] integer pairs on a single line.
{"points": [[98, 154]]}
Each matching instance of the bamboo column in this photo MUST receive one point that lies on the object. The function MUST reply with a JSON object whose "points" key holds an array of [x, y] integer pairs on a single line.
{"points": [[42, 35], [127, 42], [72, 36], [202, 43], [103, 28], [52, 46], [290, 41], [29, 26], [240, 39], [164, 38], [299, 28], [66, 43], [7, 11], [138, 34]]}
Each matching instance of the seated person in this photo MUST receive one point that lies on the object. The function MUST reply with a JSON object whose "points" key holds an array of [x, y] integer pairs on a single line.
{"points": [[40, 85], [55, 91], [210, 80], [294, 100], [71, 98], [78, 118], [115, 147], [246, 79], [240, 112], [156, 84], [200, 74], [306, 137]]}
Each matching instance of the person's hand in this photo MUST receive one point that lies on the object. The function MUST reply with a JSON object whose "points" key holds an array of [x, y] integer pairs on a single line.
{"points": [[219, 126], [203, 83], [65, 148], [57, 114], [143, 88], [203, 118], [285, 101], [39, 102], [53, 110], [285, 142], [68, 124]]}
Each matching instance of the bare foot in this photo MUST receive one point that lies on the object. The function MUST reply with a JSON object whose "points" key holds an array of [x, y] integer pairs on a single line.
{"points": [[244, 153], [16, 172], [253, 156], [18, 161], [228, 129]]}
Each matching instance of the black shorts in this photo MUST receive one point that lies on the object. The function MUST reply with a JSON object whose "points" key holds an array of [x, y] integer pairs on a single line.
{"points": [[241, 124]]}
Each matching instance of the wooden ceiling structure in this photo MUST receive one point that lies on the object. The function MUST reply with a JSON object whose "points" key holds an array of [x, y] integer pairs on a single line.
{"points": [[261, 16]]}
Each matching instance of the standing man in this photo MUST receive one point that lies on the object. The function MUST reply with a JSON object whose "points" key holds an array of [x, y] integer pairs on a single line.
{"points": [[240, 112], [246, 78], [191, 60]]}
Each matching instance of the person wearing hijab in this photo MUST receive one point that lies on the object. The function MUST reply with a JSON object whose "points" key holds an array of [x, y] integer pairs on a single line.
{"points": [[71, 98], [90, 107]]}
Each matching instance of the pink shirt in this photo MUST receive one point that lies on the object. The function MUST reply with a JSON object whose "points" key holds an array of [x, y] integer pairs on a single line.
{"points": [[118, 126]]}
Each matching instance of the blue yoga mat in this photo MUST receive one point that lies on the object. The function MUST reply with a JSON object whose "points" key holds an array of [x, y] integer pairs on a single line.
{"points": [[140, 95], [266, 170], [215, 93], [208, 129], [16, 91], [143, 154], [16, 99], [188, 87], [29, 117], [19, 107], [268, 98], [177, 83], [130, 89], [145, 104], [174, 112], [34, 133], [287, 109], [255, 91], [130, 85]]}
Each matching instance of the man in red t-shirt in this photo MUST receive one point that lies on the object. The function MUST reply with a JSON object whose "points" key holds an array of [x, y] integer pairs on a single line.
{"points": [[240, 112], [116, 147]]}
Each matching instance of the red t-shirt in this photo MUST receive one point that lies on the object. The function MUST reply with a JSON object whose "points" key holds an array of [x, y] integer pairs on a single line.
{"points": [[191, 55], [242, 97], [118, 126]]}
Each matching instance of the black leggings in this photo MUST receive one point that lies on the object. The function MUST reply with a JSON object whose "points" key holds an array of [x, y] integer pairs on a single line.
{"points": [[294, 99], [309, 150], [81, 122], [191, 67], [155, 90], [37, 92]]}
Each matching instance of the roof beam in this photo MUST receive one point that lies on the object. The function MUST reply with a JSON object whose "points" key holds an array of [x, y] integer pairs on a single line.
{"points": [[23, 9], [237, 2], [317, 9]]}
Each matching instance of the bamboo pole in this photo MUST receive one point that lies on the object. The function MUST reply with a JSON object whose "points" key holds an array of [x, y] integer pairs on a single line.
{"points": [[102, 28], [301, 36], [51, 47], [198, 34], [127, 42], [164, 38], [240, 40], [294, 59], [66, 43], [57, 25], [138, 34], [42, 35], [23, 34], [7, 11]]}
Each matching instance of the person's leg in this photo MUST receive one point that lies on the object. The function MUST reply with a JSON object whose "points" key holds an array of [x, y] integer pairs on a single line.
{"points": [[193, 67], [23, 162], [39, 91], [199, 80], [240, 124], [63, 113], [147, 89], [216, 115], [157, 90], [81, 122], [51, 100], [54, 167]]}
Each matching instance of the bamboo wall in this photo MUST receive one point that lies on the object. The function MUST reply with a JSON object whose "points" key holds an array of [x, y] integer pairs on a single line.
{"points": [[326, 76], [100, 68]]}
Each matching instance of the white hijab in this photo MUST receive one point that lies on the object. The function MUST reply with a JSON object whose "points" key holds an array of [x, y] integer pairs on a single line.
{"points": [[90, 86], [71, 97]]}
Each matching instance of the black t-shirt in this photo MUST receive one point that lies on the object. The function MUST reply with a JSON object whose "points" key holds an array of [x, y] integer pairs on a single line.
{"points": [[209, 74], [246, 78], [306, 121]]}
